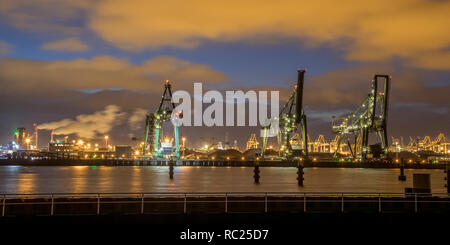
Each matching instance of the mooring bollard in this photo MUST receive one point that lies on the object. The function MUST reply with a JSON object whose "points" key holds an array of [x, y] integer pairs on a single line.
{"points": [[256, 171], [402, 176], [171, 168], [300, 172], [447, 178]]}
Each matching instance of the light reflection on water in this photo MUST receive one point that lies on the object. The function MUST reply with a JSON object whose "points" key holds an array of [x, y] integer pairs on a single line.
{"points": [[79, 182], [79, 179]]}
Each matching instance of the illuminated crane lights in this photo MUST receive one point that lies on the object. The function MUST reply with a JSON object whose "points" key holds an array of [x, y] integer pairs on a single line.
{"points": [[289, 120], [153, 127], [438, 145], [252, 143], [369, 117]]}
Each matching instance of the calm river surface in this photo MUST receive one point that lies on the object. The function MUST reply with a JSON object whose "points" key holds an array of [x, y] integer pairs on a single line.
{"points": [[51, 179]]}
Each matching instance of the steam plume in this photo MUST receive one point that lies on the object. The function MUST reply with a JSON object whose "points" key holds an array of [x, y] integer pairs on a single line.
{"points": [[87, 125]]}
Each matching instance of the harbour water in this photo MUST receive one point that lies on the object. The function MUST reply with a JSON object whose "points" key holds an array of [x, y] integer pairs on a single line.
{"points": [[103, 179]]}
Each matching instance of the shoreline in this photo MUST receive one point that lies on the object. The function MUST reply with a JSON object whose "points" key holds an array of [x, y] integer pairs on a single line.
{"points": [[210, 163]]}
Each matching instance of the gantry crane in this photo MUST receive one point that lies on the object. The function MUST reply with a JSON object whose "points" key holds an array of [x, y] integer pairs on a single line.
{"points": [[289, 120], [438, 145], [153, 127], [369, 117], [252, 143], [321, 145]]}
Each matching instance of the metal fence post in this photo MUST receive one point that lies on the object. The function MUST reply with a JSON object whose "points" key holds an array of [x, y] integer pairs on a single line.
{"points": [[185, 204], [53, 206], [4, 205], [304, 202], [265, 201], [342, 202], [98, 204], [379, 202], [142, 203], [415, 202], [226, 202]]}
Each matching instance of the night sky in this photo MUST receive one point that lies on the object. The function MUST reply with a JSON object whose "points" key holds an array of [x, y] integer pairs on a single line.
{"points": [[108, 59]]}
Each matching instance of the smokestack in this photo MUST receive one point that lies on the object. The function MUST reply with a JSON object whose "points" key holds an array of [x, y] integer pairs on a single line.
{"points": [[35, 135], [51, 137]]}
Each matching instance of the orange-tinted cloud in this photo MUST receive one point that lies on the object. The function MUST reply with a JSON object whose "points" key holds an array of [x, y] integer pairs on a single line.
{"points": [[346, 88], [373, 30], [68, 44], [102, 72], [415, 30]]}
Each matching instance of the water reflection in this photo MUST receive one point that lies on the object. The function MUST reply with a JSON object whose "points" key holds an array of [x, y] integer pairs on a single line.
{"points": [[136, 181], [26, 183], [79, 180], [204, 179]]}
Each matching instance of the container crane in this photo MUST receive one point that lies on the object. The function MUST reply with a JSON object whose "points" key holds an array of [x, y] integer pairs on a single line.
{"points": [[369, 117], [291, 117], [153, 127]]}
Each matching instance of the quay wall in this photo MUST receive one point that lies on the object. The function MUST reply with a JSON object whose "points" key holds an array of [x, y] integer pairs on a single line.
{"points": [[209, 163]]}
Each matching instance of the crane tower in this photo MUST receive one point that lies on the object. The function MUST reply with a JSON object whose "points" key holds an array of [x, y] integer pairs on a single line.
{"points": [[291, 118], [369, 117], [153, 127]]}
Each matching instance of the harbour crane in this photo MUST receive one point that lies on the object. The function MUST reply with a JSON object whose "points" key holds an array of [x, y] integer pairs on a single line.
{"points": [[291, 118], [369, 117], [252, 143], [153, 127]]}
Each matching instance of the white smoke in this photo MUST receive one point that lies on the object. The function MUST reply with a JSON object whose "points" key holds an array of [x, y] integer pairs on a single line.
{"points": [[87, 125], [137, 119]]}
